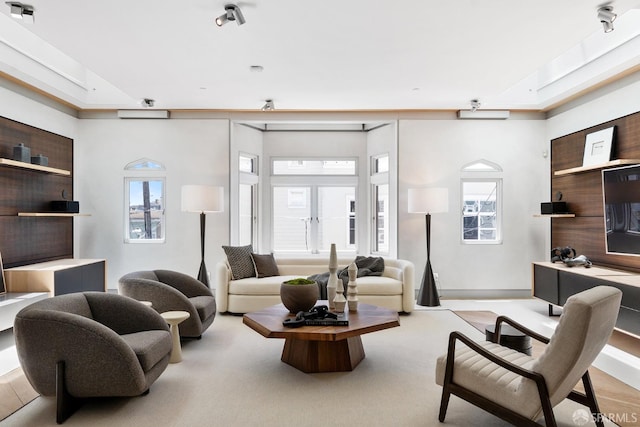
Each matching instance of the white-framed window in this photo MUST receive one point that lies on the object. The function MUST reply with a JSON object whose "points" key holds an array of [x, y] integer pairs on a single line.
{"points": [[248, 181], [145, 219], [380, 203], [144, 202], [481, 203], [290, 166], [313, 204], [309, 218]]}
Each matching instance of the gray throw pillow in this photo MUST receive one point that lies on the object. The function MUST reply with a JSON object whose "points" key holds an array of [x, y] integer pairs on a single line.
{"points": [[240, 261], [265, 265]]}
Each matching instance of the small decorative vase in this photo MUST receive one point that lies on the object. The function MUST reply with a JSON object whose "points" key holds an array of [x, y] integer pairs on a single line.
{"points": [[332, 283], [352, 288], [299, 297], [339, 300]]}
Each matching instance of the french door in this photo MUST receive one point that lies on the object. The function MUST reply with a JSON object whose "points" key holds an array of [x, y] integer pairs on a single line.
{"points": [[309, 218]]}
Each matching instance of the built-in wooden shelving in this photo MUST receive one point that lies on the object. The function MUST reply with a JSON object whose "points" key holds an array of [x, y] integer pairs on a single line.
{"points": [[40, 168], [610, 164]]}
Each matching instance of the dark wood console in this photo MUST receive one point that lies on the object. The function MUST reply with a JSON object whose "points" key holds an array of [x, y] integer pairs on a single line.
{"points": [[555, 283]]}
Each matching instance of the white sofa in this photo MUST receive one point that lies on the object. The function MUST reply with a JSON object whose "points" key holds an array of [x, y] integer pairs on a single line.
{"points": [[393, 290]]}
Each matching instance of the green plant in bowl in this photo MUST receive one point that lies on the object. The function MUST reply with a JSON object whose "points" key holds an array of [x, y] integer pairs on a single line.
{"points": [[300, 281]]}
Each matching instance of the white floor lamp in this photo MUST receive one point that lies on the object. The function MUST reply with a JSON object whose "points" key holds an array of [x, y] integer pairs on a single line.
{"points": [[428, 201], [202, 199]]}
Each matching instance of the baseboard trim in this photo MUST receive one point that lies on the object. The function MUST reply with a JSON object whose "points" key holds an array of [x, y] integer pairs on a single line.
{"points": [[484, 293]]}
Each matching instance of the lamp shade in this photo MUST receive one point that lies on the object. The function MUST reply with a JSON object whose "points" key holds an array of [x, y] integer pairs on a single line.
{"points": [[428, 200], [202, 198]]}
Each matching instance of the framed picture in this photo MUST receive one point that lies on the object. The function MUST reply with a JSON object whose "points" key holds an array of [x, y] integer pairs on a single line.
{"points": [[3, 287], [597, 147]]}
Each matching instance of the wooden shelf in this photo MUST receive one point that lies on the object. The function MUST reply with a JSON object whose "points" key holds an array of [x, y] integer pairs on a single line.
{"points": [[39, 168], [567, 215], [610, 164], [41, 214]]}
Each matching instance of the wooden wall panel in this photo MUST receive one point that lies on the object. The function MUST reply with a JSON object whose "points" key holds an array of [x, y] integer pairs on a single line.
{"points": [[29, 240], [583, 192]]}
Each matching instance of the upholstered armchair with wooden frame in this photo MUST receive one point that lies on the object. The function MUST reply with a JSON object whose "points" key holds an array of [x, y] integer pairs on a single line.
{"points": [[521, 389]]}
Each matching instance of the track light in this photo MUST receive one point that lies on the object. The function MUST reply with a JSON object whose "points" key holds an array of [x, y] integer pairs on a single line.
{"points": [[20, 11], [231, 13], [475, 104], [268, 106], [148, 102], [606, 17]]}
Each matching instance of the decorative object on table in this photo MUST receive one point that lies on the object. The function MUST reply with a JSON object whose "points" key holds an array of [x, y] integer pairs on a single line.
{"points": [[559, 254], [428, 201], [22, 153], [40, 160], [569, 257], [299, 294], [352, 289], [598, 147], [202, 199], [550, 208], [339, 301], [332, 284], [65, 206], [317, 316]]}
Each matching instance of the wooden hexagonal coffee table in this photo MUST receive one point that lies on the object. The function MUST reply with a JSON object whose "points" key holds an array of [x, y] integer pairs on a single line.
{"points": [[322, 348]]}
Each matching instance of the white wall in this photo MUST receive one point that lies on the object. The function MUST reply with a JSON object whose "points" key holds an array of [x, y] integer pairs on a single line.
{"points": [[193, 152], [616, 100], [431, 153], [29, 111]]}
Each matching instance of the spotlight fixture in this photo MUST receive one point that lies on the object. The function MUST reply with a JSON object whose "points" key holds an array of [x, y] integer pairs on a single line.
{"points": [[148, 102], [231, 13], [475, 104], [606, 17], [20, 11], [268, 106]]}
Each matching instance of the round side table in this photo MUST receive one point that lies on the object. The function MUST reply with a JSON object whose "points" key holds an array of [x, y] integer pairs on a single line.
{"points": [[510, 337], [174, 318]]}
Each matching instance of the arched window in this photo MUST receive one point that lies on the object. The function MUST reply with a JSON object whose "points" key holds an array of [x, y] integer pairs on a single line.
{"points": [[144, 207]]}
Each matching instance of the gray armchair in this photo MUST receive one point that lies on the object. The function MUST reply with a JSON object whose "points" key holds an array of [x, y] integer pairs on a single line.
{"points": [[169, 290], [90, 344]]}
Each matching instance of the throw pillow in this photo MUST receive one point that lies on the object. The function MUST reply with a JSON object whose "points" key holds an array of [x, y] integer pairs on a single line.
{"points": [[240, 261], [265, 265]]}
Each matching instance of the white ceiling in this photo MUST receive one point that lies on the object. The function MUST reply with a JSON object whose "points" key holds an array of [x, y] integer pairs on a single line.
{"points": [[319, 55]]}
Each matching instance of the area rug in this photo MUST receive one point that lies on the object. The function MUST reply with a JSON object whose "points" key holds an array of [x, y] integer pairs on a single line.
{"points": [[234, 377], [614, 396]]}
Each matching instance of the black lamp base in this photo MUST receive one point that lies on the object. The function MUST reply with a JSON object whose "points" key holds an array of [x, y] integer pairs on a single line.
{"points": [[202, 274], [428, 295]]}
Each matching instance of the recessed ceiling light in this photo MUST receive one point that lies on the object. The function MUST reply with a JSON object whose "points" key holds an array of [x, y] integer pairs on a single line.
{"points": [[256, 68]]}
